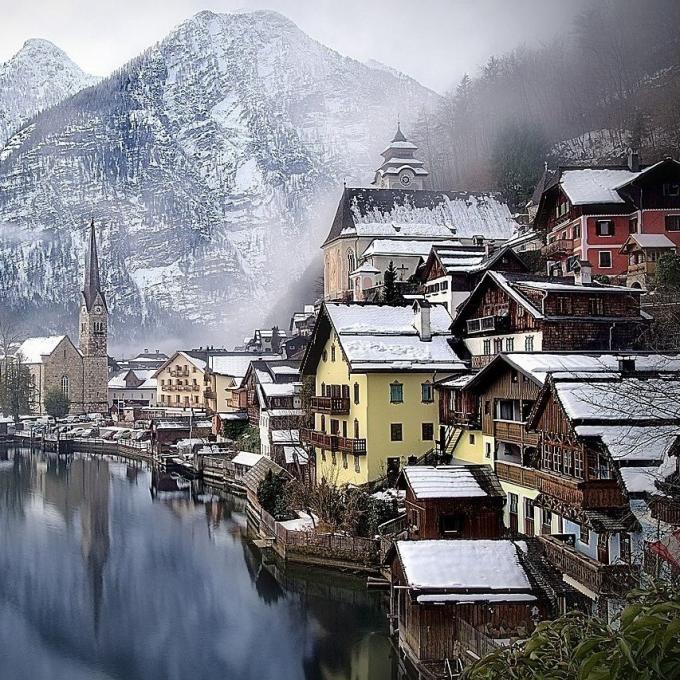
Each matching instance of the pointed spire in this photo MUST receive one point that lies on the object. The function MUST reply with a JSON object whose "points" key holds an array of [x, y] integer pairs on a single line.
{"points": [[92, 282], [399, 136]]}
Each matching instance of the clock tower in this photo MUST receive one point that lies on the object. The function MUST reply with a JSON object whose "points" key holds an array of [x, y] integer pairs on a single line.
{"points": [[400, 168], [93, 334]]}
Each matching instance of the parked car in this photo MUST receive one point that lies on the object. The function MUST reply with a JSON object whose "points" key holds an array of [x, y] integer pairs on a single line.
{"points": [[109, 434], [122, 434], [142, 436]]}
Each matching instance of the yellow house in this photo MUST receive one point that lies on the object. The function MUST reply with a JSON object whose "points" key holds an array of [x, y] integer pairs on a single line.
{"points": [[374, 369], [182, 382]]}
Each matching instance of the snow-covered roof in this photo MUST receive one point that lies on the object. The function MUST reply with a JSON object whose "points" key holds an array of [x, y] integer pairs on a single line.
{"points": [[445, 481], [463, 564], [475, 597], [629, 400], [285, 436], [377, 337], [594, 185], [279, 412], [404, 247], [284, 369], [235, 365], [634, 442], [246, 458], [365, 268], [271, 389], [33, 349], [652, 240], [642, 479]]}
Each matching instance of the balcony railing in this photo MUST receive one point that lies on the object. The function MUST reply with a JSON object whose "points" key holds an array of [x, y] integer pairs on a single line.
{"points": [[598, 577], [517, 474], [589, 495], [487, 323], [558, 247], [334, 442], [508, 431], [474, 640], [642, 268], [179, 373], [666, 509], [481, 360], [330, 405]]}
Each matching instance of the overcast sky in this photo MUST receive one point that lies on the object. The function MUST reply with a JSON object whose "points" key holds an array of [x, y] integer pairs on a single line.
{"points": [[435, 41]]}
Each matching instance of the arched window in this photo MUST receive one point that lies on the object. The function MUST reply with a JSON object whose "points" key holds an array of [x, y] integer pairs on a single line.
{"points": [[64, 385], [351, 266]]}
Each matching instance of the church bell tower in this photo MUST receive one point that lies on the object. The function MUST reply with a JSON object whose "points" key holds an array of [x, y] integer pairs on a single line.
{"points": [[400, 168], [94, 334]]}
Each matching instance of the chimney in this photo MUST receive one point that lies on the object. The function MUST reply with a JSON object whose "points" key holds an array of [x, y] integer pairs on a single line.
{"points": [[421, 309], [582, 273], [146, 350], [627, 366], [633, 160]]}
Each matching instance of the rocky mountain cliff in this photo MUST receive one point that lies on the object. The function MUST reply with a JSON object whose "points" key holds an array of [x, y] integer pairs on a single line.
{"points": [[209, 164], [38, 76]]}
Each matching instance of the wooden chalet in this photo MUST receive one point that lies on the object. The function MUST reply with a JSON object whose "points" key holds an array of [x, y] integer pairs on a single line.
{"points": [[452, 501], [451, 272], [463, 599], [643, 252], [587, 213], [522, 312]]}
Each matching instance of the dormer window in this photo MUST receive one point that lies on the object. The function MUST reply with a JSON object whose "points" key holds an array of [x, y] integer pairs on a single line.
{"points": [[670, 189]]}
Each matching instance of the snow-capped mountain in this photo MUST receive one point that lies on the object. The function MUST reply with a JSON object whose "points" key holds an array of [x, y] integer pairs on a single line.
{"points": [[38, 76], [205, 162]]}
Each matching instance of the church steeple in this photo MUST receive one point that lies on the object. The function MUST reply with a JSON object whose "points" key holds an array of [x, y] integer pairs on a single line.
{"points": [[400, 168], [92, 285]]}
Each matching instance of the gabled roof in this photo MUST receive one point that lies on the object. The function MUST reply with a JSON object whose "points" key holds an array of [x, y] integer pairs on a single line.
{"points": [[198, 363], [450, 481], [469, 259], [33, 349], [587, 186], [644, 173], [252, 478], [647, 241], [410, 214], [463, 566]]}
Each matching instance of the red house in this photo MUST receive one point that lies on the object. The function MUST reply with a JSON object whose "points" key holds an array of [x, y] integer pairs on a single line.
{"points": [[588, 214]]}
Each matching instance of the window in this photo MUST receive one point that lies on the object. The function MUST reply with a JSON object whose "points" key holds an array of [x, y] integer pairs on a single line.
{"points": [[323, 423], [426, 392], [584, 534], [563, 305], [344, 429], [396, 393], [546, 521], [356, 429], [427, 430], [396, 432], [529, 343], [604, 228], [472, 439], [577, 231], [487, 450], [513, 498], [452, 525], [633, 225], [672, 222], [529, 516], [508, 409], [497, 345], [344, 460], [487, 347], [487, 407], [99, 328], [357, 467], [324, 355], [332, 352], [605, 258], [356, 393], [596, 307], [65, 386], [624, 549], [509, 344], [671, 189]]}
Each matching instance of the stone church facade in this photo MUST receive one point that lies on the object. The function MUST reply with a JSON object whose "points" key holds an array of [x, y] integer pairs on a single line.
{"points": [[81, 373]]}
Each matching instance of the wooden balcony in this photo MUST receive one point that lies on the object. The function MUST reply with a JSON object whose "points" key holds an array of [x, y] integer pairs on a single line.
{"points": [[517, 474], [666, 509], [481, 360], [334, 442], [334, 406], [600, 578], [516, 433], [181, 373], [464, 419], [590, 495], [561, 247]]}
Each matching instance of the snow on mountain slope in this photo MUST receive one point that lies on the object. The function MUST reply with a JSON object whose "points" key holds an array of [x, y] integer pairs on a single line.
{"points": [[38, 76], [204, 162]]}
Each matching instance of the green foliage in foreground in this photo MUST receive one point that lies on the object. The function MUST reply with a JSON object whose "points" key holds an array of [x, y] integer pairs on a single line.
{"points": [[643, 643], [57, 404]]}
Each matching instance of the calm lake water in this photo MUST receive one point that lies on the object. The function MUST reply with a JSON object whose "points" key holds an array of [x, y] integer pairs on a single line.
{"points": [[100, 580]]}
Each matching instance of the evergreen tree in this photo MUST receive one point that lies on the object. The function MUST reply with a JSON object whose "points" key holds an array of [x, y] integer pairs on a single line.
{"points": [[668, 271], [57, 403], [15, 387], [391, 295]]}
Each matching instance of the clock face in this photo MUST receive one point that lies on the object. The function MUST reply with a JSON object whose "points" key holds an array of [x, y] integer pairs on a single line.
{"points": [[405, 180]]}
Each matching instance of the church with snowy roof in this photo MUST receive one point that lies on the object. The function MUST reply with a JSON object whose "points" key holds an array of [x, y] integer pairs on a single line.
{"points": [[80, 372], [397, 220]]}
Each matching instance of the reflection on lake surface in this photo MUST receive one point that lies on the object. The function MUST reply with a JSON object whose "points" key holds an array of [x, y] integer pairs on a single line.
{"points": [[98, 580]]}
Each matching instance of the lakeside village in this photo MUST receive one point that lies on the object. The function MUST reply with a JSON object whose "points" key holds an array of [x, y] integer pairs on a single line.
{"points": [[480, 414]]}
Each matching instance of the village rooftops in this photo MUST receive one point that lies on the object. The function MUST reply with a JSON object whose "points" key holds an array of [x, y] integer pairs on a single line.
{"points": [[468, 567], [380, 337], [587, 186], [409, 214], [647, 241], [236, 364], [451, 481], [246, 458], [404, 247], [33, 349], [200, 364]]}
